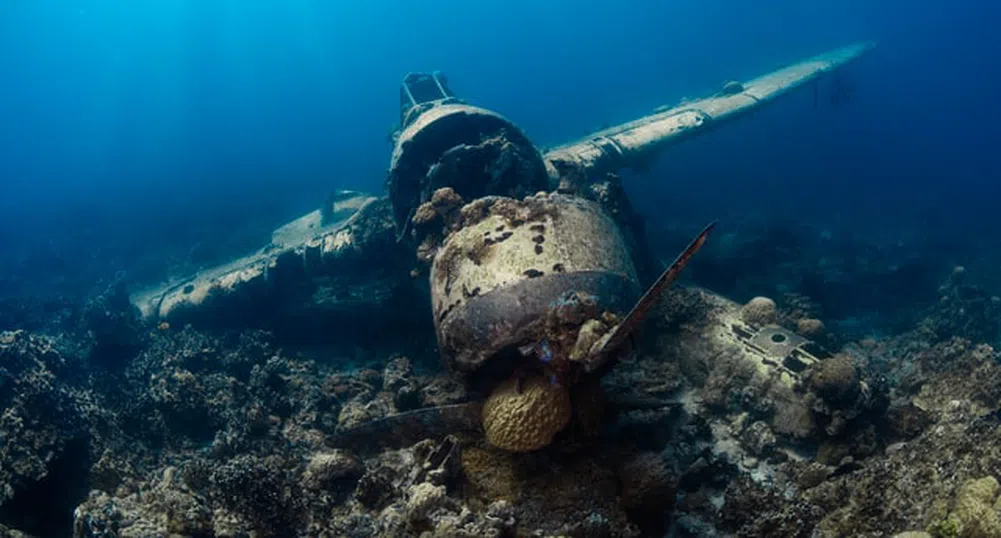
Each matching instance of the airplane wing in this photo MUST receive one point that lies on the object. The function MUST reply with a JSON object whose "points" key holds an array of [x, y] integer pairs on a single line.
{"points": [[630, 143]]}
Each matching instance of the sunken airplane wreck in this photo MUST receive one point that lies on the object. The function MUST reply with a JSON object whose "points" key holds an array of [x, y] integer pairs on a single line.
{"points": [[534, 262]]}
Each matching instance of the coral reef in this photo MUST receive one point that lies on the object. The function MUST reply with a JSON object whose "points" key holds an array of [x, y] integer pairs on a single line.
{"points": [[964, 310], [694, 433], [114, 326], [47, 426]]}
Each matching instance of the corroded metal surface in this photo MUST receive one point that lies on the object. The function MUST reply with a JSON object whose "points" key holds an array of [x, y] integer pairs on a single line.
{"points": [[626, 144], [299, 251], [516, 314], [772, 351], [306, 251], [475, 151], [494, 281]]}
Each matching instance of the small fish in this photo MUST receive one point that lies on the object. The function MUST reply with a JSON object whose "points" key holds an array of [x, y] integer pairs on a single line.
{"points": [[545, 354]]}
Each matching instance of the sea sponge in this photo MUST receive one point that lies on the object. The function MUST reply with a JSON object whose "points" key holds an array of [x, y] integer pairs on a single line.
{"points": [[759, 311], [526, 419]]}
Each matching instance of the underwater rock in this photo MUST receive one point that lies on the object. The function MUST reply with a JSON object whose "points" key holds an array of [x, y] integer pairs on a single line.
{"points": [[396, 374], [910, 487], [544, 491], [759, 439], [438, 462], [646, 378], [423, 499], [443, 389], [906, 421], [751, 509], [965, 311], [336, 472], [167, 507], [974, 377], [933, 375], [410, 490], [796, 306], [648, 491], [376, 487], [397, 378], [812, 474], [188, 388], [577, 495], [264, 491], [364, 408], [114, 324]]}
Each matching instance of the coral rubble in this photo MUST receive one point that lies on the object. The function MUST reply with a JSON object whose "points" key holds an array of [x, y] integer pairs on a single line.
{"points": [[698, 433]]}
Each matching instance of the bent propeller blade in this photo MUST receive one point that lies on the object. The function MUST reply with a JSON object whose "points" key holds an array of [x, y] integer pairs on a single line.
{"points": [[623, 330]]}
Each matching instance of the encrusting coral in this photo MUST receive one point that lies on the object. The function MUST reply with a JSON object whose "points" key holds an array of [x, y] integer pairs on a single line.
{"points": [[974, 513]]}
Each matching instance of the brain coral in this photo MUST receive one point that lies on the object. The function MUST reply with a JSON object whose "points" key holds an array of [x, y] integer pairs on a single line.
{"points": [[759, 311], [528, 419]]}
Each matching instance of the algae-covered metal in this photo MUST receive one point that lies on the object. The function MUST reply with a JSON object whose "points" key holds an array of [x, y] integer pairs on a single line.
{"points": [[630, 143], [496, 279], [530, 260], [290, 273], [443, 141]]}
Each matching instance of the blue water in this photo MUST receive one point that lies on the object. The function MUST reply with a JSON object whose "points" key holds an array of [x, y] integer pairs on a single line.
{"points": [[128, 126]]}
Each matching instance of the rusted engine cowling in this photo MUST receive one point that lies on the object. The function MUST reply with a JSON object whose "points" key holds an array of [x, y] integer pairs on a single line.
{"points": [[445, 142], [520, 272]]}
